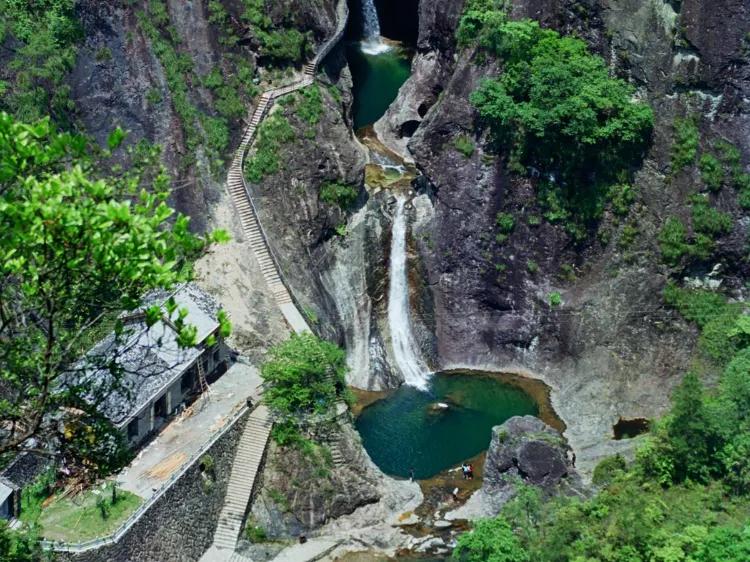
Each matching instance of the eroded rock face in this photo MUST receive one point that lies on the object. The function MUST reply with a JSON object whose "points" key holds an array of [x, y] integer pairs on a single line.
{"points": [[300, 493], [523, 450]]}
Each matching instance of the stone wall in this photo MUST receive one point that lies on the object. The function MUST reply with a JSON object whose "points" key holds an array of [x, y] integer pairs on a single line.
{"points": [[179, 527]]}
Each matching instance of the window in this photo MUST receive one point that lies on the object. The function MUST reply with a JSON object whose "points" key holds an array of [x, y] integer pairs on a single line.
{"points": [[133, 429]]}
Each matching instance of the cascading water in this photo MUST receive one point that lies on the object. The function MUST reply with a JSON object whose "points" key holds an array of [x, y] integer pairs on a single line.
{"points": [[405, 350], [372, 43]]}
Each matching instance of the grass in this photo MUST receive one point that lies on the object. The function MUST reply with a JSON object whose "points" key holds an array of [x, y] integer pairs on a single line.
{"points": [[81, 518], [464, 145]]}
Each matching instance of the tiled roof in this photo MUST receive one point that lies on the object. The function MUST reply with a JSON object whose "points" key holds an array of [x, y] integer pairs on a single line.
{"points": [[148, 358]]}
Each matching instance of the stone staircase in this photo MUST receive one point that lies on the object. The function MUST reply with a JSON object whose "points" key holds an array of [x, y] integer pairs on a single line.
{"points": [[250, 451], [240, 193], [247, 462]]}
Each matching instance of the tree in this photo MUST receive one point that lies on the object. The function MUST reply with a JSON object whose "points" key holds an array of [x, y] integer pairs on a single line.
{"points": [[491, 540], [76, 249], [303, 375], [556, 108], [692, 436]]}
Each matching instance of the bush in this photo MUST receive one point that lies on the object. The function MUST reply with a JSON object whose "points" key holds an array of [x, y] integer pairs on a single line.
{"points": [[274, 131], [505, 222], [685, 144], [673, 241], [339, 194], [303, 375], [554, 298], [311, 107], [707, 220], [712, 171], [609, 469], [532, 266]]}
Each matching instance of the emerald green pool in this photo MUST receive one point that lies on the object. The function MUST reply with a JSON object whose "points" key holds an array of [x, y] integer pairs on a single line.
{"points": [[377, 79], [408, 429]]}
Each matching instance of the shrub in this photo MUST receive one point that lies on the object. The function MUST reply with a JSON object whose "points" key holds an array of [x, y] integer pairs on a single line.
{"points": [[274, 131], [532, 266], [311, 107], [673, 241], [554, 298], [303, 375], [339, 194], [622, 196], [712, 171], [505, 222], [708, 220], [685, 144], [464, 145], [609, 469]]}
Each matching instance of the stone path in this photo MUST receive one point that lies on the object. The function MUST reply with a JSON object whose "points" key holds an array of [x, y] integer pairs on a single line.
{"points": [[253, 443], [245, 468]]}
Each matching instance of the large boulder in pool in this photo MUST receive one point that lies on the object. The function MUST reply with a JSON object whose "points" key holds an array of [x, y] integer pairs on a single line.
{"points": [[523, 449], [526, 447]]}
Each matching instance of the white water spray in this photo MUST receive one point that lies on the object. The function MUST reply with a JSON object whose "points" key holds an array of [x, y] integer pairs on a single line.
{"points": [[405, 350], [372, 43]]}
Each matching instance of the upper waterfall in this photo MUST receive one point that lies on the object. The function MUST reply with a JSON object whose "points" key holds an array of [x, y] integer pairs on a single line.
{"points": [[372, 43], [405, 350]]}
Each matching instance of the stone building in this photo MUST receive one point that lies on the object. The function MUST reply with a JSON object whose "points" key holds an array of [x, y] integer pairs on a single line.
{"points": [[157, 377]]}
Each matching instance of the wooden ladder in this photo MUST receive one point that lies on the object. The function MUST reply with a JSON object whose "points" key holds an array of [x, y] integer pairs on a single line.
{"points": [[205, 389]]}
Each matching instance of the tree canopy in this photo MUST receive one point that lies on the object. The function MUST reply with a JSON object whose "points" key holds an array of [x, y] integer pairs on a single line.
{"points": [[77, 247], [556, 108]]}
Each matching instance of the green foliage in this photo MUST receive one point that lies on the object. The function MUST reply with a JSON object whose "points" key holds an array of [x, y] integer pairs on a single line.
{"points": [[558, 109], [554, 298], [505, 222], [532, 266], [685, 145], [279, 46], [464, 145], [17, 546], [673, 241], [622, 196], [491, 540], [254, 532], [274, 131], [34, 77], [310, 108], [608, 470], [712, 171], [77, 247], [340, 194], [303, 375]]}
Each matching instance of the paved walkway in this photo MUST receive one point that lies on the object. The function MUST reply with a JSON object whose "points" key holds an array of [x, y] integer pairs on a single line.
{"points": [[179, 440]]}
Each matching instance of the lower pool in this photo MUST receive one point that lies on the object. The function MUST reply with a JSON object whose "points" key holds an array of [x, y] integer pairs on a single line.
{"points": [[435, 430]]}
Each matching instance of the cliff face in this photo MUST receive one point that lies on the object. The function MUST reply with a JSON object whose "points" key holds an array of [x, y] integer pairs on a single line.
{"points": [[612, 349], [125, 75]]}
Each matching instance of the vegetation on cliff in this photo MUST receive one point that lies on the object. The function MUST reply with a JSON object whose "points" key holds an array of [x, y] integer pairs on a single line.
{"points": [[557, 111], [304, 377]]}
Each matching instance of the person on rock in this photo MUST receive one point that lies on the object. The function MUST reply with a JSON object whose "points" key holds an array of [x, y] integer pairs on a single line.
{"points": [[465, 470], [470, 472]]}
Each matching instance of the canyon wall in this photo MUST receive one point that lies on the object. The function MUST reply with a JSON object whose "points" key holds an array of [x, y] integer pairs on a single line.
{"points": [[612, 349]]}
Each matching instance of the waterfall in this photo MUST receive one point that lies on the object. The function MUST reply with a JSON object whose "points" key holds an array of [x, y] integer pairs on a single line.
{"points": [[372, 43], [370, 21], [405, 350]]}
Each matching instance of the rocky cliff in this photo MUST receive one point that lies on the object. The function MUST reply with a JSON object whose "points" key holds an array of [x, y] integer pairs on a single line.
{"points": [[612, 349]]}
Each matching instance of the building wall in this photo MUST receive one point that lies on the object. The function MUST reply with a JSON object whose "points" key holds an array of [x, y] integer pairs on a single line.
{"points": [[212, 362], [179, 527]]}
